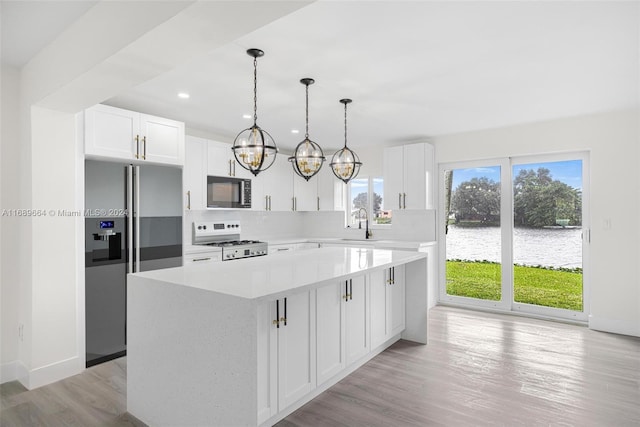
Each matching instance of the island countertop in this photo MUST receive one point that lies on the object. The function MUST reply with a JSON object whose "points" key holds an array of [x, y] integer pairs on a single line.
{"points": [[270, 277]]}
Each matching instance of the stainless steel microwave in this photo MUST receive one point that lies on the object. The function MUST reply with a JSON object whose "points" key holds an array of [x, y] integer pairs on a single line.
{"points": [[228, 192]]}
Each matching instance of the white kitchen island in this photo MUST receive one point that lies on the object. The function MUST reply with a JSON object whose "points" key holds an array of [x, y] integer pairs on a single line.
{"points": [[246, 342]]}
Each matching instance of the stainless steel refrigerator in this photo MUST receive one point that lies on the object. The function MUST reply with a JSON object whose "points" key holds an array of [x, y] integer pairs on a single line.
{"points": [[133, 223]]}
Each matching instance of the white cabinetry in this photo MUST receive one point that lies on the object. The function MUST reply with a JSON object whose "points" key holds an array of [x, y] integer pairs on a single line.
{"points": [[305, 193], [330, 330], [408, 176], [286, 352], [387, 304], [121, 134], [272, 190], [342, 326], [222, 162], [194, 173]]}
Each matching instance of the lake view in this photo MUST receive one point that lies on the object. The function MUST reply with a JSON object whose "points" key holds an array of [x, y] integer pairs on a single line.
{"points": [[558, 247]]}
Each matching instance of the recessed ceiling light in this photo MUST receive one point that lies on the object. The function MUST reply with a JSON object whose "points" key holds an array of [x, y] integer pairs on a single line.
{"points": [[246, 116], [183, 95], [295, 131]]}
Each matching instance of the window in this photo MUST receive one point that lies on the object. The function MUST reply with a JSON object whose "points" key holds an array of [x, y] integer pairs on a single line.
{"points": [[367, 193]]}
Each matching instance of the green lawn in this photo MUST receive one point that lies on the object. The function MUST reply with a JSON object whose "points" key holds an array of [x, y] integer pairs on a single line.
{"points": [[532, 285]]}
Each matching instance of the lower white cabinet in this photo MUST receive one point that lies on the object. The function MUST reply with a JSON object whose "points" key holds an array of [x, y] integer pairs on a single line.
{"points": [[307, 338], [342, 326], [286, 352], [387, 307]]}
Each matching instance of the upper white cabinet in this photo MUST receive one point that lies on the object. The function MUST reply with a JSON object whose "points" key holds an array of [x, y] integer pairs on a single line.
{"points": [[194, 173], [408, 176], [121, 134], [272, 189], [222, 162], [305, 193]]}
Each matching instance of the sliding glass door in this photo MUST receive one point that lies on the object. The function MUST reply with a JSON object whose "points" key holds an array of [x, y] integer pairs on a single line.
{"points": [[513, 234]]}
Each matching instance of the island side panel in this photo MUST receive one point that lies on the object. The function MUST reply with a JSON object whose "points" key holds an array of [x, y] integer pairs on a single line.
{"points": [[191, 355], [417, 301]]}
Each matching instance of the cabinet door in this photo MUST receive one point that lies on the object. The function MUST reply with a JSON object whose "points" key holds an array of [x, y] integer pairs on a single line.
{"points": [[111, 132], [305, 193], [194, 173], [278, 185], [396, 302], [415, 191], [356, 328], [296, 348], [267, 361], [162, 140], [330, 326], [326, 183], [220, 159], [393, 177], [378, 307]]}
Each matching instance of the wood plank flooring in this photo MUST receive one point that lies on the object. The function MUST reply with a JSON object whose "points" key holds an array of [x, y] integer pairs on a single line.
{"points": [[478, 369]]}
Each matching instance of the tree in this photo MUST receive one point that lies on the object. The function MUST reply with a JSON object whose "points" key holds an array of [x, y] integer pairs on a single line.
{"points": [[477, 199], [540, 201], [362, 201]]}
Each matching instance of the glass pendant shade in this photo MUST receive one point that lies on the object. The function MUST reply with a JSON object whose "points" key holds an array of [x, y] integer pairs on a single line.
{"points": [[253, 148], [345, 163], [308, 157]]}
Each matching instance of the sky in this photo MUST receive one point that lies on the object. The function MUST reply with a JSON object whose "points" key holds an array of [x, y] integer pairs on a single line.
{"points": [[569, 172]]}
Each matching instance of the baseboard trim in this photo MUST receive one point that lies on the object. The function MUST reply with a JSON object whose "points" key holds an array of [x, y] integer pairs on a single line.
{"points": [[51, 373], [8, 372], [615, 326]]}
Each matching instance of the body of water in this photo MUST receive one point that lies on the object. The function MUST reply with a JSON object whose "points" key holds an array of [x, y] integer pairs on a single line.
{"points": [[558, 247]]}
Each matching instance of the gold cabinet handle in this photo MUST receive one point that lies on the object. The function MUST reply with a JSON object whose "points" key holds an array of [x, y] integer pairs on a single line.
{"points": [[189, 199], [137, 155], [275, 322], [144, 148]]}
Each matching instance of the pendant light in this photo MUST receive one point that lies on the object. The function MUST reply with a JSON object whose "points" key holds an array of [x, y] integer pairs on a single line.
{"points": [[253, 148], [308, 157], [345, 162]]}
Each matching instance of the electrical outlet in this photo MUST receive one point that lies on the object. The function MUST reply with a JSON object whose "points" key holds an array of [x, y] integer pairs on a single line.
{"points": [[21, 332]]}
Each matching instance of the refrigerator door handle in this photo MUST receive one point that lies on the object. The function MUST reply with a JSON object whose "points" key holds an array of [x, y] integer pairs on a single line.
{"points": [[136, 176], [130, 218]]}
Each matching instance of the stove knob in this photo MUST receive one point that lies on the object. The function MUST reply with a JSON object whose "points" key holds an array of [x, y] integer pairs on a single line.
{"points": [[199, 227], [204, 227]]}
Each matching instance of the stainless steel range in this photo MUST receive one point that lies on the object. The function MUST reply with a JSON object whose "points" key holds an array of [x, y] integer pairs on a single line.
{"points": [[226, 236]]}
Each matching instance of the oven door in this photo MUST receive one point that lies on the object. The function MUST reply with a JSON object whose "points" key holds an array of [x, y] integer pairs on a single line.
{"points": [[227, 192]]}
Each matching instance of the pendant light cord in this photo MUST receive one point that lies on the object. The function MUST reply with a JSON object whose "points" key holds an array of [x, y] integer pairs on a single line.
{"points": [[306, 134], [255, 91], [345, 125]]}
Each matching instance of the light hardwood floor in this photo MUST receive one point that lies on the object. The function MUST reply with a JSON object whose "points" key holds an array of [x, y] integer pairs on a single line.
{"points": [[478, 369]]}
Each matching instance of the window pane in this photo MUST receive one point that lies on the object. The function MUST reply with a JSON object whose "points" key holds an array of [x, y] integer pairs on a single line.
{"points": [[380, 215], [473, 247], [547, 240], [359, 193]]}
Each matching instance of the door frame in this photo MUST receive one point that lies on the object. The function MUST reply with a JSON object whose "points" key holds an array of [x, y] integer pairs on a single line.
{"points": [[506, 303]]}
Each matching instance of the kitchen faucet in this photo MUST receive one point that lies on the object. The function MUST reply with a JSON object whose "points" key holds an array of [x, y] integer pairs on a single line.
{"points": [[367, 233]]}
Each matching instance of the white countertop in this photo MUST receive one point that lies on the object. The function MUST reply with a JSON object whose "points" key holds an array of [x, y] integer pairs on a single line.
{"points": [[380, 244], [269, 277]]}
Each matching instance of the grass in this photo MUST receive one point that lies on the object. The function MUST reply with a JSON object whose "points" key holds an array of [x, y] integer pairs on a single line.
{"points": [[532, 285]]}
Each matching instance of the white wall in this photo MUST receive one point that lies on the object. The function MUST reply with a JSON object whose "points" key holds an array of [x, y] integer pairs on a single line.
{"points": [[613, 142], [9, 199]]}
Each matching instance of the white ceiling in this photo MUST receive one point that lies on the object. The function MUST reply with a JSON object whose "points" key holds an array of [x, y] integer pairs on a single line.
{"points": [[28, 26], [414, 70]]}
